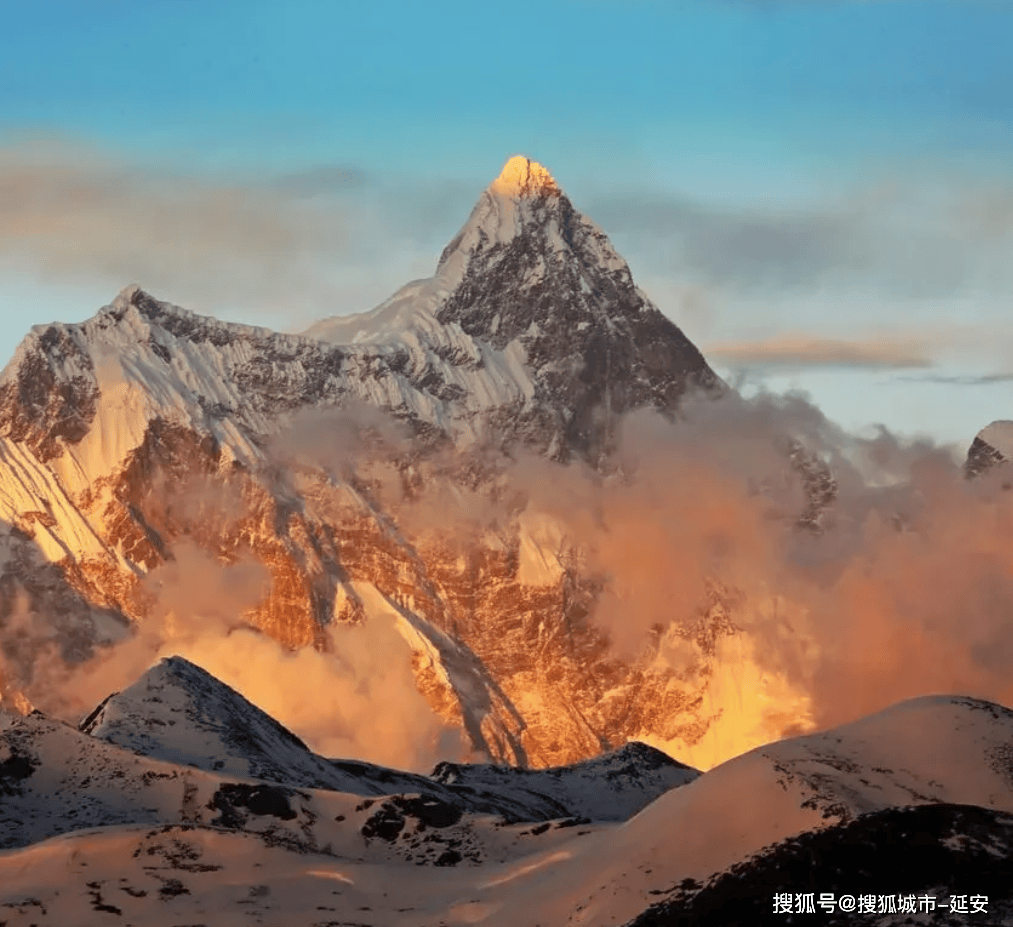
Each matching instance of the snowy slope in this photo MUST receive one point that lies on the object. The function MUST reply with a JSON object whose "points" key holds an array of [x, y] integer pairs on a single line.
{"points": [[76, 807], [171, 876], [178, 845], [928, 750], [55, 780], [611, 787], [258, 778], [178, 713]]}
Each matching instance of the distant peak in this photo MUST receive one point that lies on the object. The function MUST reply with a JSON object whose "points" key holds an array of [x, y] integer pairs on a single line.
{"points": [[999, 434], [180, 666], [521, 175], [132, 295], [128, 295]]}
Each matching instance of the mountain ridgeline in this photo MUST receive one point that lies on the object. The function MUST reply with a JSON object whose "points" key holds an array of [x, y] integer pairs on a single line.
{"points": [[148, 427], [177, 797]]}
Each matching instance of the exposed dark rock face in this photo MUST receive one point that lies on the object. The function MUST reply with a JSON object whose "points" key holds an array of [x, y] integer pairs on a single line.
{"points": [[597, 346], [818, 486], [50, 396], [233, 801]]}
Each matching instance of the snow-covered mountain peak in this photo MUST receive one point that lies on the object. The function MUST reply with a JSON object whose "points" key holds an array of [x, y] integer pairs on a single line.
{"points": [[523, 177], [180, 713], [524, 205], [172, 685], [116, 434], [134, 301], [992, 445], [1000, 436], [135, 305], [126, 296], [533, 286]]}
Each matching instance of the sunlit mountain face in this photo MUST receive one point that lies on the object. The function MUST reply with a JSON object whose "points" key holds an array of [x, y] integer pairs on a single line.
{"points": [[516, 477], [381, 478], [511, 517]]}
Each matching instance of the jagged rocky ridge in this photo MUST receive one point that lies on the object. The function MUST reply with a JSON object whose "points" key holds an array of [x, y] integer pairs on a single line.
{"points": [[530, 277], [147, 426]]}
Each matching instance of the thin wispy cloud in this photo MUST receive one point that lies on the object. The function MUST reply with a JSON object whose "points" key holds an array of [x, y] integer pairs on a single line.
{"points": [[294, 245], [323, 179], [70, 213], [924, 236], [810, 351], [956, 380]]}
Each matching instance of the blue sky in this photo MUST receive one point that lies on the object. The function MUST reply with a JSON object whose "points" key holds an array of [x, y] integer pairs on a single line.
{"points": [[820, 193]]}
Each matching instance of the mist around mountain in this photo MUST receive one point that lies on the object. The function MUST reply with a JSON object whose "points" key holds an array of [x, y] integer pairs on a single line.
{"points": [[174, 481], [509, 549]]}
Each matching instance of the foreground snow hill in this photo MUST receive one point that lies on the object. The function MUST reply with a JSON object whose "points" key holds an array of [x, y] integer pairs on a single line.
{"points": [[932, 750], [154, 813], [181, 747], [939, 864]]}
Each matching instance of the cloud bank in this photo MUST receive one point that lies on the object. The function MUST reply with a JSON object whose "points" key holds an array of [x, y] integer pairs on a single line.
{"points": [[357, 698], [293, 247], [905, 589], [925, 234]]}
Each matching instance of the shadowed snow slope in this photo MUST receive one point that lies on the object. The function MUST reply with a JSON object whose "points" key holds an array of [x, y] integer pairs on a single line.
{"points": [[947, 853], [92, 826], [934, 749], [610, 787]]}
